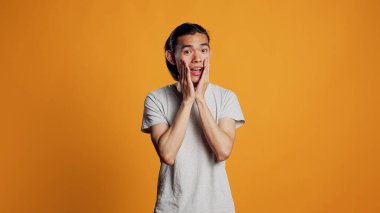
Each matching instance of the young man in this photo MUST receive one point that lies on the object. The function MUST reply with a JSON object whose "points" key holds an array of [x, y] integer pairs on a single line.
{"points": [[192, 125]]}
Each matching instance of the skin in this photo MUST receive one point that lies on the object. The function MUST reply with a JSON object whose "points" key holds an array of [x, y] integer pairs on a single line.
{"points": [[168, 139]]}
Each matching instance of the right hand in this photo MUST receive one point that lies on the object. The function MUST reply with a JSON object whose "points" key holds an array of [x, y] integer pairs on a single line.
{"points": [[186, 85]]}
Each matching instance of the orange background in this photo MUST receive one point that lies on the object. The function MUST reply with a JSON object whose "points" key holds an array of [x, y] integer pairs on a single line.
{"points": [[74, 75]]}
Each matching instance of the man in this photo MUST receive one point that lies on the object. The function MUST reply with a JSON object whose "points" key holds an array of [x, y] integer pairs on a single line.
{"points": [[192, 125]]}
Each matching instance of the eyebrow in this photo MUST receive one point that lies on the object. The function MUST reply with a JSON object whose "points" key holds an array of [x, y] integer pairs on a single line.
{"points": [[188, 45]]}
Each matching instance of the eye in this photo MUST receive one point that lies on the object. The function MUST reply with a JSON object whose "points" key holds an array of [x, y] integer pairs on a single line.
{"points": [[204, 50], [186, 52]]}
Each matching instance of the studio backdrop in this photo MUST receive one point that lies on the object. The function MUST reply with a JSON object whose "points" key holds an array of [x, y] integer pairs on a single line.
{"points": [[74, 75]]}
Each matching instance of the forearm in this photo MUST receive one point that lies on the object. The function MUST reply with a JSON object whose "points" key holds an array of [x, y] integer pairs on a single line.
{"points": [[218, 140], [170, 142]]}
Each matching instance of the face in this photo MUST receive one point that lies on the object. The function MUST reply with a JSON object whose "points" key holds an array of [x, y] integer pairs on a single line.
{"points": [[193, 49]]}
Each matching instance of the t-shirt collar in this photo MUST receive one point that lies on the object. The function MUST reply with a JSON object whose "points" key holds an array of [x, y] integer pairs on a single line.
{"points": [[177, 85]]}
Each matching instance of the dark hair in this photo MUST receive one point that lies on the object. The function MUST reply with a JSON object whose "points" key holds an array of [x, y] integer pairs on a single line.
{"points": [[171, 43]]}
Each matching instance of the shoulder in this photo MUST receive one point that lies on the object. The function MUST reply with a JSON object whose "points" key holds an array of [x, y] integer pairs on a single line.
{"points": [[159, 93], [221, 91]]}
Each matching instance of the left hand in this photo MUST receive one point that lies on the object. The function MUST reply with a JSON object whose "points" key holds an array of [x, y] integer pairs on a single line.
{"points": [[200, 90]]}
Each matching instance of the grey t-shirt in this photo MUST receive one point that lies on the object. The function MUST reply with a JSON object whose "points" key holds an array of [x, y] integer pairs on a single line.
{"points": [[197, 182]]}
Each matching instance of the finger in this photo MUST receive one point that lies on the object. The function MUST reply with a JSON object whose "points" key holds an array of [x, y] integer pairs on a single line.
{"points": [[179, 73], [204, 72], [182, 71], [208, 69], [190, 84], [206, 64], [188, 74]]}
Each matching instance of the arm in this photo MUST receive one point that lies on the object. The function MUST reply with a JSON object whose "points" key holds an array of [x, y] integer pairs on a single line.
{"points": [[220, 138], [168, 140]]}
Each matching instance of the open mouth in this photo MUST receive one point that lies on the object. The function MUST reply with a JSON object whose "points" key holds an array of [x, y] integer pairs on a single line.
{"points": [[196, 71]]}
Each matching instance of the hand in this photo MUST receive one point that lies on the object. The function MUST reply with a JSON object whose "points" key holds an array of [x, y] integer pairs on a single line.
{"points": [[203, 82], [185, 83]]}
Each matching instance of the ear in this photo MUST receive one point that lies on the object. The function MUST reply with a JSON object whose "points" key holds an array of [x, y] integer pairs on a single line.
{"points": [[170, 56]]}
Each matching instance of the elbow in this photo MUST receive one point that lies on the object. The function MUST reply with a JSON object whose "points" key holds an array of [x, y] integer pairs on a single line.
{"points": [[222, 156], [168, 159], [224, 152]]}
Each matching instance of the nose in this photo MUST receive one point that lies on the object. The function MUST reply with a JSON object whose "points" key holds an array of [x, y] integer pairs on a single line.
{"points": [[197, 57]]}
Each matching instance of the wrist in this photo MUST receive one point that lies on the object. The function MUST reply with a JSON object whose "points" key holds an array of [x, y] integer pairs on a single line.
{"points": [[187, 103], [200, 100]]}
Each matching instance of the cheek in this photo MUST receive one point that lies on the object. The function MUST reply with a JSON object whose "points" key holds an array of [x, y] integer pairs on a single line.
{"points": [[187, 59], [208, 55]]}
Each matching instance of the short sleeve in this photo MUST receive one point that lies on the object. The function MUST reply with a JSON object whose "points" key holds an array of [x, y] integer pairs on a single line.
{"points": [[230, 108], [153, 113]]}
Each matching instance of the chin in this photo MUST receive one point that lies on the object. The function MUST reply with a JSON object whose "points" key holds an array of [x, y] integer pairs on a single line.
{"points": [[195, 80]]}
